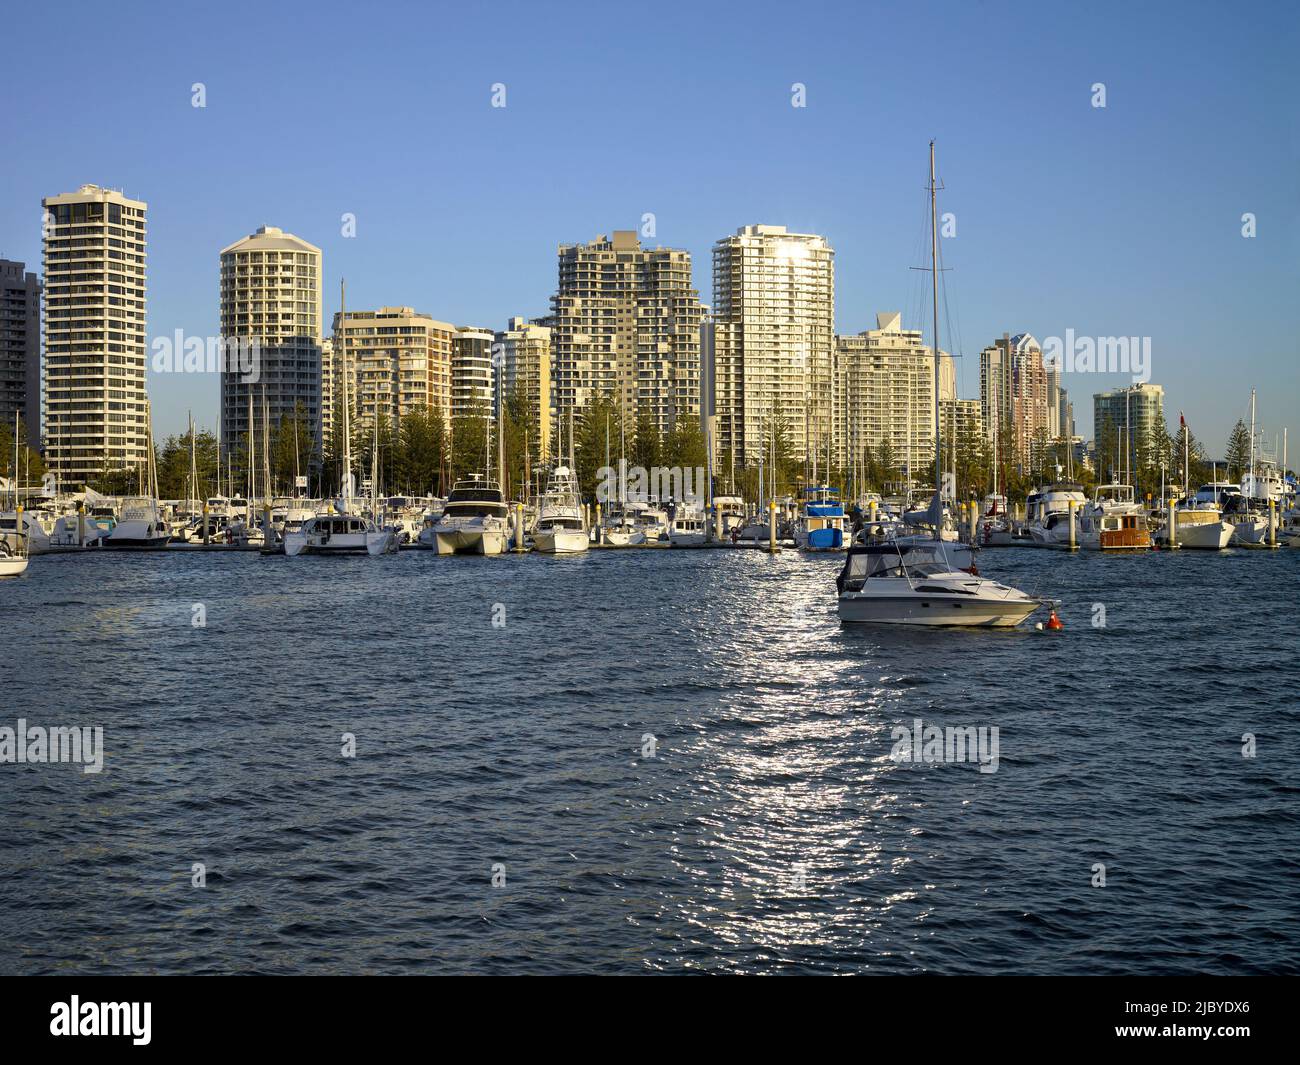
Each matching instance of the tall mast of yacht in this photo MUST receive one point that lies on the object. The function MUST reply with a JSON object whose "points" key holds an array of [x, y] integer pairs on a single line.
{"points": [[194, 470], [1252, 446], [347, 397], [934, 310], [252, 459], [501, 440]]}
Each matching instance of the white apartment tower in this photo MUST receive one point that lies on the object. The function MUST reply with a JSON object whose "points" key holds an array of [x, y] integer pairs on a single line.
{"points": [[774, 342], [524, 349], [473, 374], [271, 295], [95, 399]]}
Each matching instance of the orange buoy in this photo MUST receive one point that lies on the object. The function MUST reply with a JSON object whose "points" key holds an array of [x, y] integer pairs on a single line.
{"points": [[1054, 622]]}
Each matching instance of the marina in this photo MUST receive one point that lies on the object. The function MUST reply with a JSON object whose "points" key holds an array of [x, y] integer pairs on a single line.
{"points": [[525, 745]]}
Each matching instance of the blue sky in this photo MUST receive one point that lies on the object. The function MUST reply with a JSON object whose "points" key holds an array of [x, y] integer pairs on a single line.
{"points": [[1117, 221]]}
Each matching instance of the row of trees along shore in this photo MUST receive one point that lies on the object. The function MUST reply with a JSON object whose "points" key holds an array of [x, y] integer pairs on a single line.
{"points": [[424, 454]]}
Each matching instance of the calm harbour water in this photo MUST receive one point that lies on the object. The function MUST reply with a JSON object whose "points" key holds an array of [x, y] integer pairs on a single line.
{"points": [[770, 832]]}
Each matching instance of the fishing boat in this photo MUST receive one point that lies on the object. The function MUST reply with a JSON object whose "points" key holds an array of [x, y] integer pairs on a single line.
{"points": [[893, 583], [820, 526], [139, 527], [561, 528], [1047, 512]]}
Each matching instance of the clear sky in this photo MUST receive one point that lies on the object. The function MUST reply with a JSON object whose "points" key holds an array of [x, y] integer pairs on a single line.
{"points": [[1124, 220]]}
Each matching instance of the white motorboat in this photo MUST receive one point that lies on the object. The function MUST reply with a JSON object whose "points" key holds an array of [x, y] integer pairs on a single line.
{"points": [[13, 554], [339, 534], [139, 527], [561, 528], [474, 521], [37, 540], [1199, 525], [688, 528], [1047, 513], [895, 583]]}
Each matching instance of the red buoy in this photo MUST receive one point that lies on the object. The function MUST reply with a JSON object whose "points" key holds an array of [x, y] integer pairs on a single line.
{"points": [[1054, 622]]}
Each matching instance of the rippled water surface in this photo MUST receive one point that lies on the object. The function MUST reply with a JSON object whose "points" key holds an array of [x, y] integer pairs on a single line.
{"points": [[769, 831]]}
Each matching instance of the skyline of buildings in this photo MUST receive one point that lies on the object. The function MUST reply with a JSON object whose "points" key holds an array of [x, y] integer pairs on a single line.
{"points": [[625, 320]]}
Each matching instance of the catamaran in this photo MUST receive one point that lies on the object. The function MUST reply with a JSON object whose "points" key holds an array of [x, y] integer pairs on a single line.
{"points": [[889, 582], [474, 521]]}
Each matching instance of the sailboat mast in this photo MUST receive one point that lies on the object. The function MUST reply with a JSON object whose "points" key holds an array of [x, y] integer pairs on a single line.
{"points": [[194, 469], [934, 309], [347, 398], [1252, 445]]}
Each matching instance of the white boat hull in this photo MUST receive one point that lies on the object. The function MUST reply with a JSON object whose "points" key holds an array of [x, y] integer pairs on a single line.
{"points": [[1209, 536], [469, 541], [621, 538], [12, 567], [687, 539], [561, 541], [938, 610], [1251, 531]]}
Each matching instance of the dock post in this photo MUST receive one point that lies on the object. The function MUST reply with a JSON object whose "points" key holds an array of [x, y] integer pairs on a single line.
{"points": [[207, 531], [519, 528], [1171, 529], [1074, 536], [771, 526], [1272, 523], [81, 524]]}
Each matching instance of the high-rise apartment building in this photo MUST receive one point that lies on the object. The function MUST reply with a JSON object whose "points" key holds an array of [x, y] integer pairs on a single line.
{"points": [[96, 417], [774, 342], [271, 296], [1014, 398], [886, 381], [400, 362], [473, 374], [960, 421], [1123, 421], [625, 322], [524, 349], [20, 349]]}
